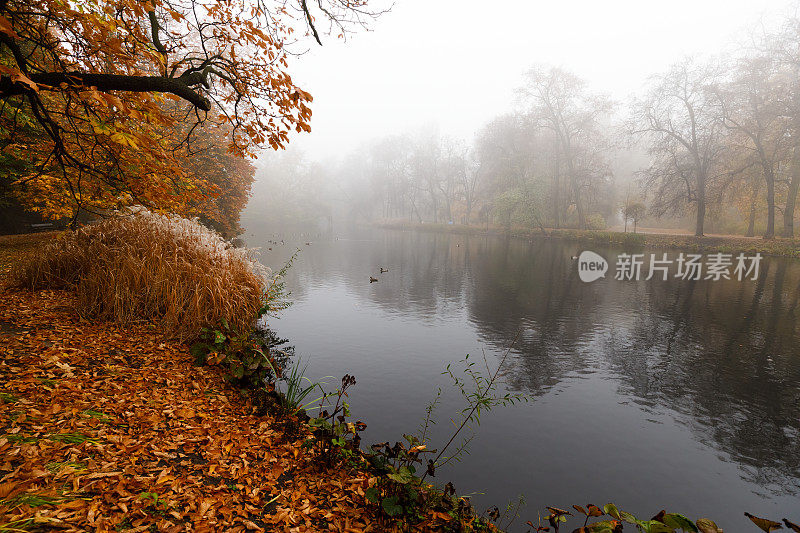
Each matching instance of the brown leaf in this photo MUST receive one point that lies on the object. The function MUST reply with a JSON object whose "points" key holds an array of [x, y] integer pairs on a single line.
{"points": [[763, 523]]}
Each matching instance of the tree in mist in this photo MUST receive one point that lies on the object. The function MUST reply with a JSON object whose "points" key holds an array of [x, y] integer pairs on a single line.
{"points": [[505, 151], [390, 176], [784, 49], [452, 172], [679, 118], [634, 211], [470, 179], [749, 106], [561, 102], [292, 190], [715, 145]]}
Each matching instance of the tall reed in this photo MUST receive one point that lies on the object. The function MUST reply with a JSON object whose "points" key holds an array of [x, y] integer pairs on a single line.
{"points": [[146, 266]]}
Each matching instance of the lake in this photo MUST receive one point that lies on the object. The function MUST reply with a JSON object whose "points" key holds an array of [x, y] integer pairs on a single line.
{"points": [[676, 394]]}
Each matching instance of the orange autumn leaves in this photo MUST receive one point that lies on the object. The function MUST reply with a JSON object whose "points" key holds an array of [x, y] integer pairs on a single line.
{"points": [[108, 429], [117, 98]]}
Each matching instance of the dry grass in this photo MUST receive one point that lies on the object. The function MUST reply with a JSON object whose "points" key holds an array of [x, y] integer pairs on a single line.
{"points": [[168, 270]]}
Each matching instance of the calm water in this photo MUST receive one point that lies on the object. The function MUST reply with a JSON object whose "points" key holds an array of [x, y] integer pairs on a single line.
{"points": [[654, 394]]}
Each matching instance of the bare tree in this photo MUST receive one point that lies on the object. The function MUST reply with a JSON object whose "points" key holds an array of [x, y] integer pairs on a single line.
{"points": [[560, 101], [750, 107], [470, 179], [679, 119], [784, 48]]}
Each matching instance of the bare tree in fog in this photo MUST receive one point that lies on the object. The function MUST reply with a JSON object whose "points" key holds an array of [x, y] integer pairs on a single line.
{"points": [[506, 150], [750, 107], [679, 118], [560, 101], [784, 47], [452, 169]]}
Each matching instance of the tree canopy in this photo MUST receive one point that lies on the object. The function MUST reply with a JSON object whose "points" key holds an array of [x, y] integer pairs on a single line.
{"points": [[105, 101]]}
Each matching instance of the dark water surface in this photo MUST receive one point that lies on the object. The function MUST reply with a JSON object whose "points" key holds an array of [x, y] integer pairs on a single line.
{"points": [[675, 394]]}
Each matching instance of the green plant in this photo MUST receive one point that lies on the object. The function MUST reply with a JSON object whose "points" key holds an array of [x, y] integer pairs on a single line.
{"points": [[504, 519], [154, 500], [399, 490], [16, 526], [20, 438], [662, 522], [596, 221], [480, 393], [7, 397], [55, 467], [333, 434], [277, 297], [245, 357], [31, 500], [295, 394], [102, 417], [72, 438]]}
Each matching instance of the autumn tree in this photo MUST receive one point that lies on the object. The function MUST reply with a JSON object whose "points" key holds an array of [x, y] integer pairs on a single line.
{"points": [[634, 211], [507, 150], [93, 92], [229, 178]]}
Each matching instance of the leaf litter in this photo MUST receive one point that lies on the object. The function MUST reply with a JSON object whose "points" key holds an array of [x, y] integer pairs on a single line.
{"points": [[105, 428]]}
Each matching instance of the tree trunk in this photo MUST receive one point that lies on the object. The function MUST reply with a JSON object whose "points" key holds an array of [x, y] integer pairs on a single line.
{"points": [[751, 223], [701, 206], [791, 198], [557, 188], [581, 215], [701, 215], [576, 192], [770, 233]]}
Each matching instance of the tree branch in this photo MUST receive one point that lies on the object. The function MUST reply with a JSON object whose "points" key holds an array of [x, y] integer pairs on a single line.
{"points": [[181, 86]]}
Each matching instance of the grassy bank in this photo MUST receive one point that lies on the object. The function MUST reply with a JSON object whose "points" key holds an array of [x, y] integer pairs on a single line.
{"points": [[775, 247]]}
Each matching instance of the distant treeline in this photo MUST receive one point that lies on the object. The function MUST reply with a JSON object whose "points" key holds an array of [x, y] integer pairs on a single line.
{"points": [[707, 144]]}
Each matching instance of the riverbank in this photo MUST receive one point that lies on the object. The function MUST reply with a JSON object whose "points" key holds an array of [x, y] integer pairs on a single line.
{"points": [[110, 428], [709, 244]]}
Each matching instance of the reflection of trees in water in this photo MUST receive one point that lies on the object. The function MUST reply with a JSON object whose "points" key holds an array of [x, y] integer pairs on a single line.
{"points": [[722, 354]]}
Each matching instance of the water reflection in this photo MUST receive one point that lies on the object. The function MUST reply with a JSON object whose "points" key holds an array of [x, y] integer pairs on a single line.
{"points": [[719, 358]]}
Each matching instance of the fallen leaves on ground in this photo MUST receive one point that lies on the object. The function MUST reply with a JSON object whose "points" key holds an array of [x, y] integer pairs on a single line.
{"points": [[105, 428]]}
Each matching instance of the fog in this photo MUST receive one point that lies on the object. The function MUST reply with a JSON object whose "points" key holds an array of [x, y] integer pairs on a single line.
{"points": [[559, 115], [456, 64]]}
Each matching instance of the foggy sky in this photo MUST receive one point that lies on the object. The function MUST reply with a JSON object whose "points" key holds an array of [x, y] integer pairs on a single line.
{"points": [[454, 64]]}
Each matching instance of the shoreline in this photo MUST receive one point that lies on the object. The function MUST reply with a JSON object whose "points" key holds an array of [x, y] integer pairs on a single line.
{"points": [[107, 427], [778, 246]]}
